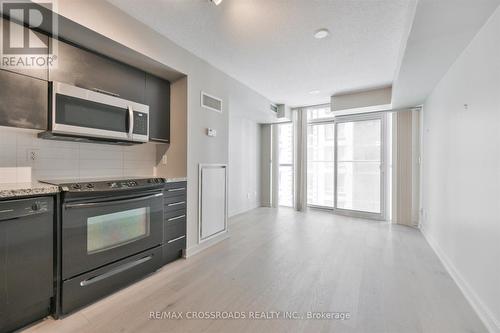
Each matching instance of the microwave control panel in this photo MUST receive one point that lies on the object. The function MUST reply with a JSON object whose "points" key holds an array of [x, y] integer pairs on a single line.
{"points": [[140, 123]]}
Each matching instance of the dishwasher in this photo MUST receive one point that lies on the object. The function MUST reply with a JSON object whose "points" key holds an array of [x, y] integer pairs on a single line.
{"points": [[26, 261]]}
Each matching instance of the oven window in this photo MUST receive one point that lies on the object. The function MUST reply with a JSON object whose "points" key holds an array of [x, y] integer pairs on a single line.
{"points": [[79, 112], [111, 230]]}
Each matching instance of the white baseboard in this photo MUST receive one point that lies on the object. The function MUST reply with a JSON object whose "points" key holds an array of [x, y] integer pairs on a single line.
{"points": [[243, 211], [484, 313]]}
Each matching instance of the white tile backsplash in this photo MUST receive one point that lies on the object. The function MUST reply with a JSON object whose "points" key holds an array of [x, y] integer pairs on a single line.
{"points": [[7, 154], [8, 174], [60, 159]]}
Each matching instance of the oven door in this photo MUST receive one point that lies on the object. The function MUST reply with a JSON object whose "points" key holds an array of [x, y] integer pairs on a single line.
{"points": [[86, 113], [99, 232]]}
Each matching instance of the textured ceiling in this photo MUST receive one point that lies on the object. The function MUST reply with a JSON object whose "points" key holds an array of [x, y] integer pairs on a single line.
{"points": [[269, 45]]}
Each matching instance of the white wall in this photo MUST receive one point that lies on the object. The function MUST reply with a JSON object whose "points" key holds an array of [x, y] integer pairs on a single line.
{"points": [[244, 164], [461, 171], [59, 159], [109, 21]]}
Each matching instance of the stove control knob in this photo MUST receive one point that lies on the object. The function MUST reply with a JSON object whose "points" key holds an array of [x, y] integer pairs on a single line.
{"points": [[113, 185], [90, 185], [35, 206], [77, 186]]}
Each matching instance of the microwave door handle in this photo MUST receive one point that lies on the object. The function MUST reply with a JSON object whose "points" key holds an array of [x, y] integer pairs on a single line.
{"points": [[130, 122]]}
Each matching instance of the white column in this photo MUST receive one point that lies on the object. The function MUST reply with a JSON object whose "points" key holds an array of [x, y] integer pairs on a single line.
{"points": [[300, 160]]}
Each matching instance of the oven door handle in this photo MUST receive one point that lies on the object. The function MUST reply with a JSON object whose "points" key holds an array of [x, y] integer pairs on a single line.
{"points": [[108, 203], [115, 271]]}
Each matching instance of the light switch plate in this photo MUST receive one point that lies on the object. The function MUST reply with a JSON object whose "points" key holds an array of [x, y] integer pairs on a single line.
{"points": [[211, 132]]}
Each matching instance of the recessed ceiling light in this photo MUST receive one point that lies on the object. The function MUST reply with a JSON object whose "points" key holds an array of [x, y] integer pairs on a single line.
{"points": [[314, 92], [216, 2], [321, 33]]}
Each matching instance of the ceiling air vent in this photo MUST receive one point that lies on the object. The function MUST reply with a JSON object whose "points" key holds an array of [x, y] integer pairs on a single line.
{"points": [[211, 102]]}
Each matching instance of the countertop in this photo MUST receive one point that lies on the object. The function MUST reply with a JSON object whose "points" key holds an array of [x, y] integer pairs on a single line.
{"points": [[15, 190], [174, 180]]}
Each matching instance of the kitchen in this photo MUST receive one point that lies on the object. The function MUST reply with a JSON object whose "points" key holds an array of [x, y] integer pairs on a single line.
{"points": [[93, 188], [184, 166]]}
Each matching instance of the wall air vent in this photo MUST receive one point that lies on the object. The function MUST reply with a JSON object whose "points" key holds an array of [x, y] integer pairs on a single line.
{"points": [[274, 108], [211, 102], [284, 112]]}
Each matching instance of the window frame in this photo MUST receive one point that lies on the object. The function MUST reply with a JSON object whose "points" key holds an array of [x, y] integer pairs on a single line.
{"points": [[291, 165], [321, 121], [383, 177]]}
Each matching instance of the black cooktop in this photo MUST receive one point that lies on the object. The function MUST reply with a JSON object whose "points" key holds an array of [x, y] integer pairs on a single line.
{"points": [[105, 184]]}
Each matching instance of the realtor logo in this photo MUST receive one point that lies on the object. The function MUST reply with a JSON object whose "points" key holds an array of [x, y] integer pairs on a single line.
{"points": [[23, 44]]}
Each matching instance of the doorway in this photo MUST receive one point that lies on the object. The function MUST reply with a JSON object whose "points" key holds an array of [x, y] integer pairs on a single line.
{"points": [[346, 163]]}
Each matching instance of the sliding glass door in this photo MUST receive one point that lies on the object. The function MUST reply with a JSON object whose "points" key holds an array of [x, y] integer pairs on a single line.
{"points": [[359, 166], [320, 167]]}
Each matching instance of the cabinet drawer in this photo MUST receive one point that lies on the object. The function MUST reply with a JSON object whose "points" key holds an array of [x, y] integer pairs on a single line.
{"points": [[173, 250], [175, 203], [174, 229], [173, 216], [88, 287], [175, 189]]}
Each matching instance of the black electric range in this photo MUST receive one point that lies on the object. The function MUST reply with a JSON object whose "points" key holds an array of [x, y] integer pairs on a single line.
{"points": [[111, 232]]}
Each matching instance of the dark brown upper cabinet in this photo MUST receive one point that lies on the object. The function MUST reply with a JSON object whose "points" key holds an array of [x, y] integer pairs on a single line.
{"points": [[92, 71], [24, 101], [35, 64], [158, 99]]}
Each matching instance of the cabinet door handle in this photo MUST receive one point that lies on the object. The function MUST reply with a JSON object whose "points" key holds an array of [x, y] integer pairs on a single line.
{"points": [[175, 218], [176, 189], [175, 239], [176, 203], [106, 92], [161, 140]]}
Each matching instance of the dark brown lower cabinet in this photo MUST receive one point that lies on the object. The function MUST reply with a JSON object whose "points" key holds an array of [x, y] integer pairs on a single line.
{"points": [[174, 222], [23, 101]]}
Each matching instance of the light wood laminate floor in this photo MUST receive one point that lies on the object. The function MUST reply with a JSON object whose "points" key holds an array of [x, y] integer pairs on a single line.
{"points": [[387, 278]]}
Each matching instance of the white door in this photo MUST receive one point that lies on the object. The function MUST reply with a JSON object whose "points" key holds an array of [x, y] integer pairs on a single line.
{"points": [[213, 207]]}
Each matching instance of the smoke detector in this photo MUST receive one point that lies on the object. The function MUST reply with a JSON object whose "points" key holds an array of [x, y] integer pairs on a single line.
{"points": [[321, 33]]}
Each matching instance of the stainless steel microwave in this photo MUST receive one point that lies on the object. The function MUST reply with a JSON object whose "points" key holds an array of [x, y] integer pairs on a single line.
{"points": [[92, 114]]}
